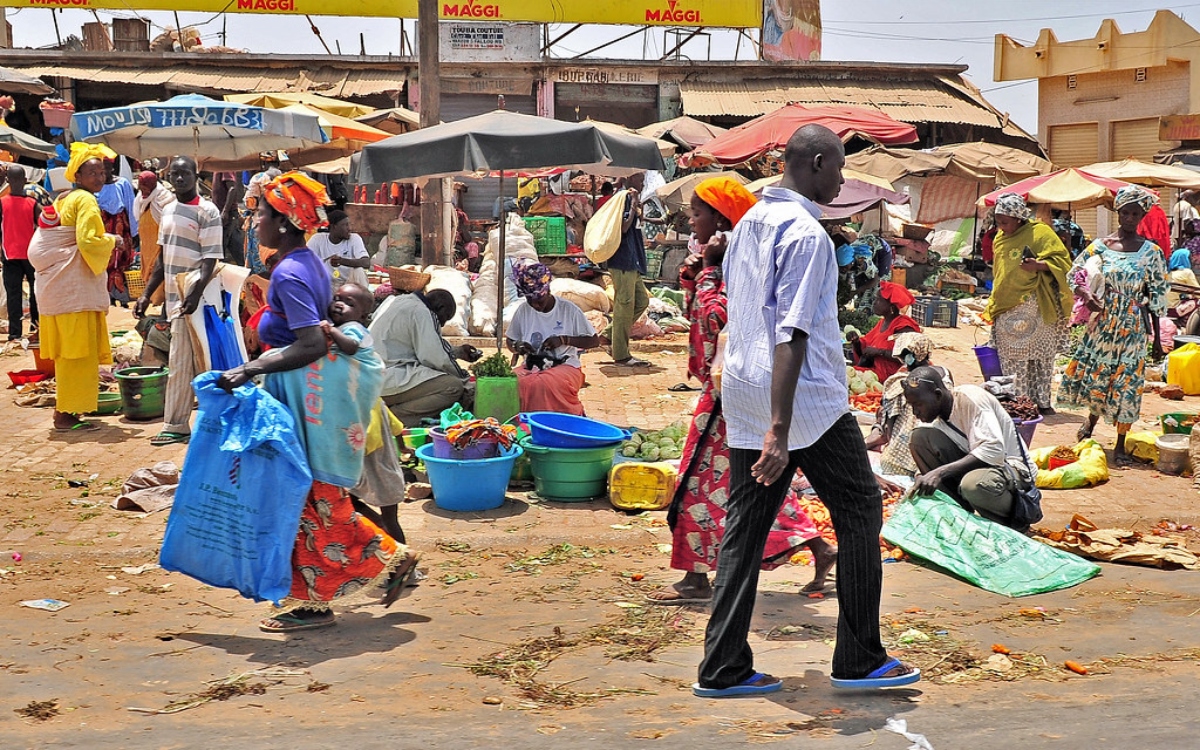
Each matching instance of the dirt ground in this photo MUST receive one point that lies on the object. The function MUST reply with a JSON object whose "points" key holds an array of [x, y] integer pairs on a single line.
{"points": [[530, 627]]}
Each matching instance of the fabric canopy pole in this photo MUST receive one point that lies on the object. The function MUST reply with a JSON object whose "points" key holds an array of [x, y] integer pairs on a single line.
{"points": [[500, 261]]}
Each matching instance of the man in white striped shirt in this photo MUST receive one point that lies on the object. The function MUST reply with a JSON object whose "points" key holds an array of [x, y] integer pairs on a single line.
{"points": [[785, 403], [192, 240]]}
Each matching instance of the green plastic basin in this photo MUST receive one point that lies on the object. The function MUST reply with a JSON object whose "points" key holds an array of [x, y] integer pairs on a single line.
{"points": [[570, 474]]}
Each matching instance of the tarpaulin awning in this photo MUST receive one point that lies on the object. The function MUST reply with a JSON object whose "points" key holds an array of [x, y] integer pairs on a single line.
{"points": [[1146, 173], [855, 197], [24, 143], [337, 126], [847, 174], [395, 120], [772, 131], [284, 99], [677, 194], [686, 131], [1066, 188], [983, 162], [16, 82]]}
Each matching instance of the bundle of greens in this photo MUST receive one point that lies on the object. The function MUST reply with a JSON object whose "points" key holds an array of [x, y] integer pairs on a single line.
{"points": [[495, 366]]}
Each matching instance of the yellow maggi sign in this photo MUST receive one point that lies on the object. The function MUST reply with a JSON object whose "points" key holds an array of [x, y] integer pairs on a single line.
{"points": [[733, 13]]}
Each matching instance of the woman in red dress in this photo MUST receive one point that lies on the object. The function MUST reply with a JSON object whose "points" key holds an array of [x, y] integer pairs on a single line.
{"points": [[697, 513], [873, 351]]}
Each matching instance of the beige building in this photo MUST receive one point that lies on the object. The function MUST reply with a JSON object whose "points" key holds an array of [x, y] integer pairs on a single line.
{"points": [[1100, 99]]}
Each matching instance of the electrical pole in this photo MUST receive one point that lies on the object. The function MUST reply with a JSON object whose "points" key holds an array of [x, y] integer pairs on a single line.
{"points": [[433, 234]]}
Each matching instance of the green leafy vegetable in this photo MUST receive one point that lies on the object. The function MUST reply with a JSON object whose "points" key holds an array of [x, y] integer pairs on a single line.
{"points": [[495, 366]]}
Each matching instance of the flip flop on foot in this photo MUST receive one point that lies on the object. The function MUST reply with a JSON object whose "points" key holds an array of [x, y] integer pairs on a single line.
{"points": [[757, 684], [673, 596], [77, 426], [293, 622], [682, 388], [170, 438], [401, 582], [893, 673], [631, 362]]}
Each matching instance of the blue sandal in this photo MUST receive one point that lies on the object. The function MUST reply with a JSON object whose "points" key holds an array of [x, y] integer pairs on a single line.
{"points": [[757, 684], [876, 679]]}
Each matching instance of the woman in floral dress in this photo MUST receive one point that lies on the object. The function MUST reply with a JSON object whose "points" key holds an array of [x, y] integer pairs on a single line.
{"points": [[697, 513], [1107, 372]]}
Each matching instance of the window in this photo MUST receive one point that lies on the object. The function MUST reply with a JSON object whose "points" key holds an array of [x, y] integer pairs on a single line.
{"points": [[1071, 82], [1139, 75]]}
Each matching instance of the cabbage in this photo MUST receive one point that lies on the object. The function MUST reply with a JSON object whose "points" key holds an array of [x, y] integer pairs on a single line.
{"points": [[870, 377], [652, 454], [857, 386], [629, 451]]}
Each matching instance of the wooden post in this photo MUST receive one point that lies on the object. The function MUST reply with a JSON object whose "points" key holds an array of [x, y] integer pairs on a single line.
{"points": [[429, 75]]}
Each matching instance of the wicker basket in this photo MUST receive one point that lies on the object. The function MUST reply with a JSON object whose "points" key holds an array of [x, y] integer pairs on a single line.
{"points": [[405, 280], [57, 118], [135, 283]]}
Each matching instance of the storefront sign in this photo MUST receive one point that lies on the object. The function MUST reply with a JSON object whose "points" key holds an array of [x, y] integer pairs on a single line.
{"points": [[487, 86], [495, 41], [597, 75], [729, 13], [1179, 128]]}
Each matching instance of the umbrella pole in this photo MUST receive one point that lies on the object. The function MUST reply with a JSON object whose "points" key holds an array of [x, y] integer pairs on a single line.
{"points": [[503, 256]]}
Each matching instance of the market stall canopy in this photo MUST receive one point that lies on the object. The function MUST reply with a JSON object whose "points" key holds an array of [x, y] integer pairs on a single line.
{"points": [[686, 131], [24, 144], [772, 131], [396, 120], [1146, 173], [982, 162], [16, 82], [1066, 188], [847, 174], [333, 166], [665, 148], [207, 129], [1184, 156], [336, 126], [284, 99], [503, 140], [857, 197], [677, 194]]}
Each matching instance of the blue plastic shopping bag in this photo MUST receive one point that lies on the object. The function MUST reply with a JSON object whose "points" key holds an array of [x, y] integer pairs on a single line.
{"points": [[243, 485]]}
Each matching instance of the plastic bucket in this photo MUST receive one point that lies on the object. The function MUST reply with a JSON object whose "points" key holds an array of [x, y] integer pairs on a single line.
{"points": [[488, 447], [1026, 429], [570, 474], [556, 430], [460, 485], [1172, 453], [143, 392], [415, 438], [496, 398], [989, 361], [108, 403]]}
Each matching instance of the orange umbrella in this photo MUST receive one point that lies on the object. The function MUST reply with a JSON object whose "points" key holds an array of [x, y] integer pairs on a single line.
{"points": [[336, 126], [1072, 188]]}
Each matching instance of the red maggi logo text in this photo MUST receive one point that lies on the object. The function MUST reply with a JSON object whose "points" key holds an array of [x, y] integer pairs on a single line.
{"points": [[672, 14]]}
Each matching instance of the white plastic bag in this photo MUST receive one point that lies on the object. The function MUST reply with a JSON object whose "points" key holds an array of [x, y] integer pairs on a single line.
{"points": [[458, 284], [602, 236]]}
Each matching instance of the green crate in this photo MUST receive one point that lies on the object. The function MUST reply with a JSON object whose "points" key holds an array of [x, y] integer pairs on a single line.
{"points": [[549, 234], [654, 263]]}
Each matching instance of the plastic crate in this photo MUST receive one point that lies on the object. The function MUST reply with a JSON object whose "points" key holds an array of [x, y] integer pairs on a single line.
{"points": [[135, 283], [654, 263], [1177, 423], [934, 312], [549, 234]]}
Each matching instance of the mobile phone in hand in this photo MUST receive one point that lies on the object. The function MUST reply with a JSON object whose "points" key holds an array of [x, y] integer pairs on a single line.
{"points": [[1027, 254]]}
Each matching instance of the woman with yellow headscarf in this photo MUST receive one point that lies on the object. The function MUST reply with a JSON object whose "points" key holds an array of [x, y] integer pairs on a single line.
{"points": [[70, 253], [697, 511], [338, 554]]}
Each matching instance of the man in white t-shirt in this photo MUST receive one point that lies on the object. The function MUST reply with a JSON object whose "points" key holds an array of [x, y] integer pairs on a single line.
{"points": [[342, 250], [548, 332], [1183, 213], [966, 445]]}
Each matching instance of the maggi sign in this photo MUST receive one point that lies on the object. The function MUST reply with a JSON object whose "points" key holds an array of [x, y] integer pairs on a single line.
{"points": [[732, 13]]}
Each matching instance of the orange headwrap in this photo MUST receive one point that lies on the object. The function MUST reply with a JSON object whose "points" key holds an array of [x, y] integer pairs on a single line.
{"points": [[896, 294], [727, 197], [300, 198]]}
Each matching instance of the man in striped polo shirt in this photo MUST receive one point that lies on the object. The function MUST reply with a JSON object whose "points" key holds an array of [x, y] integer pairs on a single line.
{"points": [[191, 239]]}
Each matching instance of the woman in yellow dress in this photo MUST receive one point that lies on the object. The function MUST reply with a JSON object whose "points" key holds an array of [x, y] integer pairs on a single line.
{"points": [[70, 253]]}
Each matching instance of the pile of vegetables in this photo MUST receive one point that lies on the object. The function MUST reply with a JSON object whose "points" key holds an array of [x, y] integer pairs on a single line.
{"points": [[868, 402], [664, 445], [863, 381], [495, 366]]}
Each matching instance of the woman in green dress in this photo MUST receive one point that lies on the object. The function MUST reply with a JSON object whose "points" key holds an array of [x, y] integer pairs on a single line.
{"points": [[1107, 371]]}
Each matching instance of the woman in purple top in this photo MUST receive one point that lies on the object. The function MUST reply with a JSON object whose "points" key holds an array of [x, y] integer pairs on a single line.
{"points": [[338, 555]]}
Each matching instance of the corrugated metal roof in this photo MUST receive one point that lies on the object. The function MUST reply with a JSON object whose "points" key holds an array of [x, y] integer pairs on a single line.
{"points": [[325, 80], [910, 101]]}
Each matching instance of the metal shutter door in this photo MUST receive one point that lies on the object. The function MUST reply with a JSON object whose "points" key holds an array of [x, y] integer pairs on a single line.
{"points": [[1136, 139], [1076, 146], [481, 194]]}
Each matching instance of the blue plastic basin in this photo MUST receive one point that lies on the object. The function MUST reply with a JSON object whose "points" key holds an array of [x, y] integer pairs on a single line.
{"points": [[472, 484], [555, 430]]}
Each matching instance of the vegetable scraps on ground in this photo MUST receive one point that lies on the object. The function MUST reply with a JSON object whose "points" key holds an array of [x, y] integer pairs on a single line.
{"points": [[663, 445]]}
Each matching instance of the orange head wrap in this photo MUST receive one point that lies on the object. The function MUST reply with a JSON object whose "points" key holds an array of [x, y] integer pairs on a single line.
{"points": [[896, 294], [727, 197], [300, 198]]}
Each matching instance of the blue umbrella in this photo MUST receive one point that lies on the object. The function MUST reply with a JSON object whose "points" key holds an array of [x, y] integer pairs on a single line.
{"points": [[198, 126]]}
